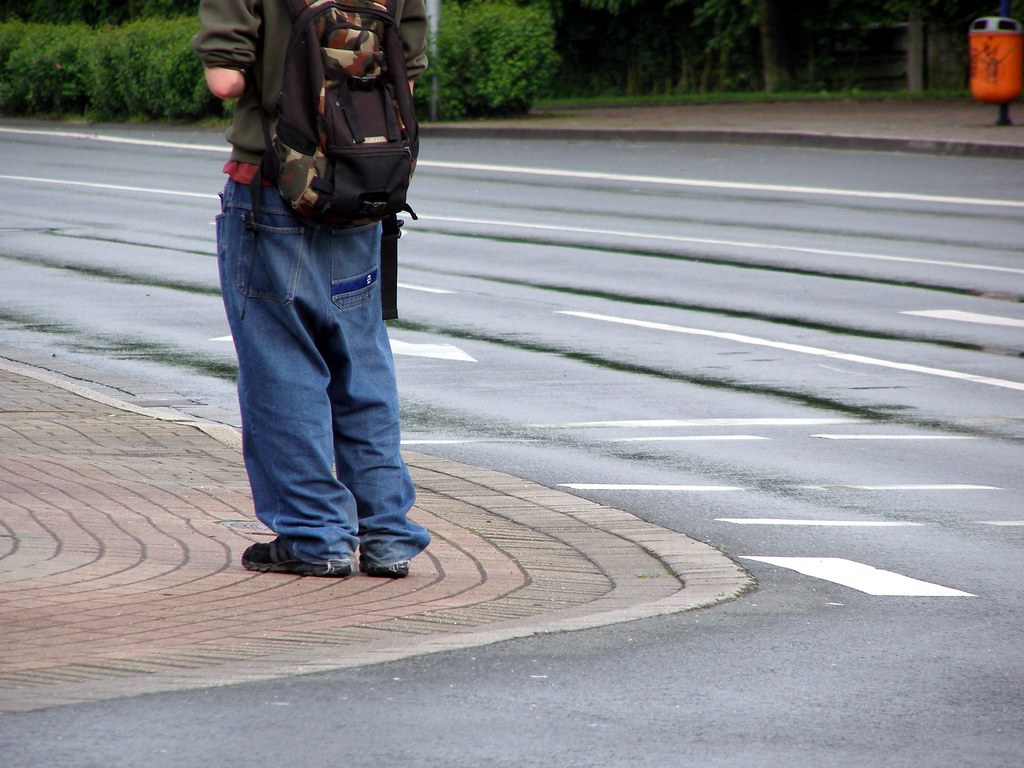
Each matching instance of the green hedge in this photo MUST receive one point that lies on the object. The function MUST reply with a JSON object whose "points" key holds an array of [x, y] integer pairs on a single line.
{"points": [[494, 58], [141, 70], [45, 69], [146, 69]]}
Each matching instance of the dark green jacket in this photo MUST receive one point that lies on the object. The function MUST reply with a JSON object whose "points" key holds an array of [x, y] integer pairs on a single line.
{"points": [[229, 37]]}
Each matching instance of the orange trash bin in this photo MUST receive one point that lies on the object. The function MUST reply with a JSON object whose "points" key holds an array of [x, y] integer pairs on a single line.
{"points": [[997, 56]]}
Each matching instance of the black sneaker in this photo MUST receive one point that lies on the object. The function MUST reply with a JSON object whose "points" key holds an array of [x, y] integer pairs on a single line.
{"points": [[397, 570], [274, 558]]}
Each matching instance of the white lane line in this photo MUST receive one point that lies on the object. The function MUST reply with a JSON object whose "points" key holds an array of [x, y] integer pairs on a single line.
{"points": [[864, 578], [422, 288], [730, 185], [903, 487], [565, 228], [800, 348], [726, 243], [701, 488], [453, 441], [967, 317], [435, 351], [656, 423], [1006, 523], [823, 523], [895, 436], [113, 187], [641, 487], [78, 135], [574, 174], [685, 438]]}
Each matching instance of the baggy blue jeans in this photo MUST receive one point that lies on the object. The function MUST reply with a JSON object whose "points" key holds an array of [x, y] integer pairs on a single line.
{"points": [[316, 383]]}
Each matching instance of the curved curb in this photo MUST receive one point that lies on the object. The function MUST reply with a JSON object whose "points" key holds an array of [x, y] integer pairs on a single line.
{"points": [[125, 532]]}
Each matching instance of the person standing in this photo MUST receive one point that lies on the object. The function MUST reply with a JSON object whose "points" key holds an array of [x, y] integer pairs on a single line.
{"points": [[316, 379]]}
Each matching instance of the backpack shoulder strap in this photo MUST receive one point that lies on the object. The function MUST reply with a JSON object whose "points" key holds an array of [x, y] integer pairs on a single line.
{"points": [[297, 7]]}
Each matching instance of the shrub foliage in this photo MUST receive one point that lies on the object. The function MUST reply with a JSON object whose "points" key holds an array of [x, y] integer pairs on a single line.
{"points": [[144, 69], [494, 58]]}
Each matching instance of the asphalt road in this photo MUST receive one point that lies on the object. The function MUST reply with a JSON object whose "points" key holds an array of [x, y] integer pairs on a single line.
{"points": [[811, 360]]}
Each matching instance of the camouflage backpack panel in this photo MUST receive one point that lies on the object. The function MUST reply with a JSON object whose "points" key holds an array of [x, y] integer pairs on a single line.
{"points": [[350, 46]]}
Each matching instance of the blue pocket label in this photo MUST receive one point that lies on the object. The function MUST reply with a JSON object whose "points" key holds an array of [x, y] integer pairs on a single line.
{"points": [[353, 285]]}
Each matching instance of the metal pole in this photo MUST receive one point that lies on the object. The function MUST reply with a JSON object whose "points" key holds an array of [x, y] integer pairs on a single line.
{"points": [[433, 22], [1004, 109]]}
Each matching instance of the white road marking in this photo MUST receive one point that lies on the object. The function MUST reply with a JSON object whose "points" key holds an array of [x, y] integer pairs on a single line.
{"points": [[422, 288], [113, 187], [864, 578], [1007, 523], [436, 351], [453, 441], [700, 488], [799, 348], [903, 487], [222, 148], [896, 437], [967, 317], [641, 487], [730, 185], [727, 243], [724, 422], [565, 228], [574, 174], [824, 523], [685, 438]]}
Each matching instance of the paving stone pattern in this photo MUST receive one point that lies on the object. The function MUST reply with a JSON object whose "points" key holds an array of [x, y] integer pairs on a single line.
{"points": [[121, 531]]}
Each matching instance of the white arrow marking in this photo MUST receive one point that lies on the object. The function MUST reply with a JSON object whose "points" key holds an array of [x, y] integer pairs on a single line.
{"points": [[859, 576], [438, 351]]}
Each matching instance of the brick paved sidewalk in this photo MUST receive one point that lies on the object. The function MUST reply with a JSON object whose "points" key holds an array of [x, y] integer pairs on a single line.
{"points": [[121, 529]]}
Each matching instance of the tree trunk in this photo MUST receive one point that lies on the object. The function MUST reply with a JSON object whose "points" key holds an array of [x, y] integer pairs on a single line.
{"points": [[779, 52], [915, 52]]}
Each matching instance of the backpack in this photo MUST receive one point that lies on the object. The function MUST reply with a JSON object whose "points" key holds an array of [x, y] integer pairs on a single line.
{"points": [[342, 146]]}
